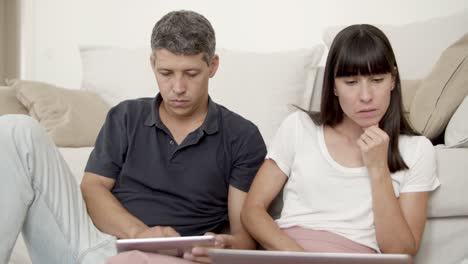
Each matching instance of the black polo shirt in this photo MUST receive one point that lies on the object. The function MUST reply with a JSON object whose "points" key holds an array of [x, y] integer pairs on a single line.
{"points": [[183, 186]]}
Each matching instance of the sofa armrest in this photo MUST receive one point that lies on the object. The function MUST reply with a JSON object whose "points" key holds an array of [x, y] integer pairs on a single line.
{"points": [[451, 198]]}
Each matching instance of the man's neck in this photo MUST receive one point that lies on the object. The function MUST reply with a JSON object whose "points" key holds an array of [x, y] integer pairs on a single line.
{"points": [[181, 125]]}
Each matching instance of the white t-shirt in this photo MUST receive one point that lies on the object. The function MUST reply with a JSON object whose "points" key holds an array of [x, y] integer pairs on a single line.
{"points": [[321, 194]]}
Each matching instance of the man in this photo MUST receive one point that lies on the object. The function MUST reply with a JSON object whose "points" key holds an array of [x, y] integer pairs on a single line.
{"points": [[176, 164]]}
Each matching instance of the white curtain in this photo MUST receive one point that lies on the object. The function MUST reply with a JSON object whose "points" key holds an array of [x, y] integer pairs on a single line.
{"points": [[26, 11]]}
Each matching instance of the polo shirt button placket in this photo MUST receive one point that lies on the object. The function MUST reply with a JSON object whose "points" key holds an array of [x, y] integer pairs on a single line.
{"points": [[172, 147]]}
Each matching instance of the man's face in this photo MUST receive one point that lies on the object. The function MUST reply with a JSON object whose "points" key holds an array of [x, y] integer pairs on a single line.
{"points": [[183, 81]]}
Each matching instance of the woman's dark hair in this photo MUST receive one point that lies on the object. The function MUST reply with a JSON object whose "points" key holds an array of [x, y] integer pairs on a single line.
{"points": [[364, 50]]}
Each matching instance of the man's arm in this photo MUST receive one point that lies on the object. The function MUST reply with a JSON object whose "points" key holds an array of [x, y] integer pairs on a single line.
{"points": [[110, 216], [241, 239]]}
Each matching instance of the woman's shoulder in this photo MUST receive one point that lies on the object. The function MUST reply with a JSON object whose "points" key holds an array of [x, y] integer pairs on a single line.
{"points": [[414, 141], [302, 118], [413, 146]]}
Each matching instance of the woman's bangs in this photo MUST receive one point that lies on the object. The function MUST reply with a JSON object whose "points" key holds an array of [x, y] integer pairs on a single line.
{"points": [[362, 56]]}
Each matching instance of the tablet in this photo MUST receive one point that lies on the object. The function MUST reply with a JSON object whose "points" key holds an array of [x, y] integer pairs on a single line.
{"points": [[230, 256], [174, 246]]}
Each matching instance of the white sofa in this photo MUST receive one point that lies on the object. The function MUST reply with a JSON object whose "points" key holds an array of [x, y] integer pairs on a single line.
{"points": [[262, 87]]}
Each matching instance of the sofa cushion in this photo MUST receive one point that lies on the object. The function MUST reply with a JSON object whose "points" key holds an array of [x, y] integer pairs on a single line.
{"points": [[442, 91], [450, 199], [456, 134], [118, 74], [76, 159], [8, 102], [262, 87], [258, 86], [444, 241], [418, 45], [72, 118]]}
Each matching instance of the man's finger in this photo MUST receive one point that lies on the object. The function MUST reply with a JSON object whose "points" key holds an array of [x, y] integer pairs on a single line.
{"points": [[200, 251], [170, 232], [200, 259], [224, 241]]}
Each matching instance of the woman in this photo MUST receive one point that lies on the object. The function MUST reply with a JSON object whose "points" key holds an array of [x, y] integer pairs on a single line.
{"points": [[356, 177]]}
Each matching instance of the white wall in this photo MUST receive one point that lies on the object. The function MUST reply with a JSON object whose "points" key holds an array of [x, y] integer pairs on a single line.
{"points": [[2, 41], [56, 28]]}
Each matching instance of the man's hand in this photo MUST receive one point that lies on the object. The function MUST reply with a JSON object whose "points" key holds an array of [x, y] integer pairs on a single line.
{"points": [[374, 148], [200, 254], [157, 231]]}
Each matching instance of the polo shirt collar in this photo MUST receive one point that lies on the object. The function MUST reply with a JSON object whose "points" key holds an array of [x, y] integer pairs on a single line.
{"points": [[210, 124]]}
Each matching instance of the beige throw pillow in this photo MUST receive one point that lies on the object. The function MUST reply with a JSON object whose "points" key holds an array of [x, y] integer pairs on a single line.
{"points": [[72, 118], [408, 91], [456, 134], [442, 91], [8, 102]]}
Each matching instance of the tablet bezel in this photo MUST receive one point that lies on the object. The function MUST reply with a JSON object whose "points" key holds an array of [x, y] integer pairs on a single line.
{"points": [[159, 244], [232, 256]]}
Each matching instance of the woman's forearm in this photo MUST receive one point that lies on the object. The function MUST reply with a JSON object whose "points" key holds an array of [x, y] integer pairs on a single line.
{"points": [[392, 230], [262, 227]]}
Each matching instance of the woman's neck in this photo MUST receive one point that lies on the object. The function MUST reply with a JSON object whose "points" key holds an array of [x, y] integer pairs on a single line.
{"points": [[348, 129]]}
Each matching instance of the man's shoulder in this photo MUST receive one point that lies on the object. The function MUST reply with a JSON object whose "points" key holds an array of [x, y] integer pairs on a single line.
{"points": [[234, 122], [133, 106], [241, 134]]}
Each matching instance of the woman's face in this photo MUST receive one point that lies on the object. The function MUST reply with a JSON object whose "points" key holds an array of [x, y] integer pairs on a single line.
{"points": [[364, 99]]}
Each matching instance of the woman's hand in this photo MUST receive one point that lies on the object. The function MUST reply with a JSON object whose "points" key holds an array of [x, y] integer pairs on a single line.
{"points": [[200, 254], [374, 148]]}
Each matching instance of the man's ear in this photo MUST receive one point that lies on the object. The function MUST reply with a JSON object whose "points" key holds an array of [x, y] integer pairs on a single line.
{"points": [[153, 61], [214, 65]]}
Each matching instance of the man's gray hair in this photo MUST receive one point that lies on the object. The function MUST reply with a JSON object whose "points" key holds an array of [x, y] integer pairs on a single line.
{"points": [[184, 33]]}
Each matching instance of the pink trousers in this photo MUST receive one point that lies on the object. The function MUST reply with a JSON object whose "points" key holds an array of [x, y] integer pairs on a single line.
{"points": [[326, 242], [139, 257], [310, 240]]}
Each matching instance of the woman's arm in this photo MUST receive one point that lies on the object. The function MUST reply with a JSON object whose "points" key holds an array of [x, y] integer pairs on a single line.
{"points": [[267, 184], [399, 223]]}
